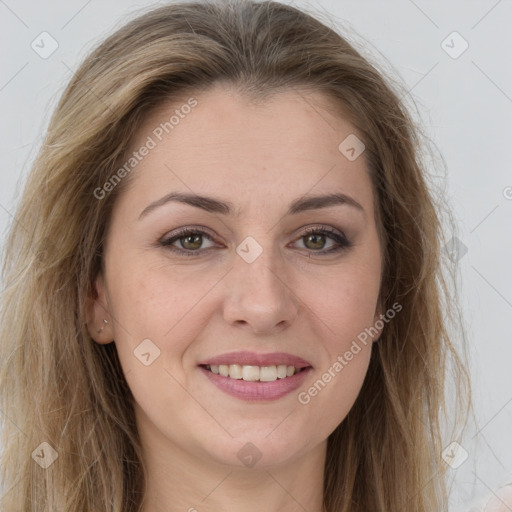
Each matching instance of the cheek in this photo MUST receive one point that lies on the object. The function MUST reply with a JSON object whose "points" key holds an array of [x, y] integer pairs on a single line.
{"points": [[329, 397], [345, 301], [151, 300], [170, 307], [344, 304], [345, 307]]}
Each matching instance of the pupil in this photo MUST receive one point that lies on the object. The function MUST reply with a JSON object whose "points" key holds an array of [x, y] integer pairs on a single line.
{"points": [[317, 241], [197, 239]]}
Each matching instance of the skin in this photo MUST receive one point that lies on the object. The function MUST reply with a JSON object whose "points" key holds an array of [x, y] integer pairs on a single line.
{"points": [[501, 500], [290, 299]]}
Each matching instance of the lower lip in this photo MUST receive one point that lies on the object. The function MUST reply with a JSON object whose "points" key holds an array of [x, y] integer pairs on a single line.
{"points": [[257, 391]]}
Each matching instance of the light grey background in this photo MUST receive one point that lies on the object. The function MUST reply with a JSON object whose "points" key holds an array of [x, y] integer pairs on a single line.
{"points": [[465, 104]]}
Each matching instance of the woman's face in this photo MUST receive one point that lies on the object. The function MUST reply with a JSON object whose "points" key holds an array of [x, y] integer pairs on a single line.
{"points": [[249, 279]]}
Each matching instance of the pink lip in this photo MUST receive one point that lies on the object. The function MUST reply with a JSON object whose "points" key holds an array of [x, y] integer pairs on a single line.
{"points": [[256, 391], [255, 359]]}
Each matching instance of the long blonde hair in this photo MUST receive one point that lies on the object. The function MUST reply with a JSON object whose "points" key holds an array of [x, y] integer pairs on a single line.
{"points": [[60, 387]]}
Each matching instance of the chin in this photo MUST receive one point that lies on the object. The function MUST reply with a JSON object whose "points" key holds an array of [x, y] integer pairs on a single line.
{"points": [[258, 449]]}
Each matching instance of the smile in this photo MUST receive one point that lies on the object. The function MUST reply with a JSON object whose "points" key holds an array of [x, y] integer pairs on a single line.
{"points": [[251, 373]]}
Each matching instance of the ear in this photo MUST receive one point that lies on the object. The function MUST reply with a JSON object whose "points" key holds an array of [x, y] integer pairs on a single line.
{"points": [[99, 320]]}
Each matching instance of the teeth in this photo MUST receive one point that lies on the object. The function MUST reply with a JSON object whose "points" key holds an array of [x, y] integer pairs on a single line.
{"points": [[269, 373], [253, 373], [235, 371], [281, 371]]}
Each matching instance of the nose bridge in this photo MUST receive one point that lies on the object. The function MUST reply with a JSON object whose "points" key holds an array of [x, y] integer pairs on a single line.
{"points": [[258, 268], [260, 293]]}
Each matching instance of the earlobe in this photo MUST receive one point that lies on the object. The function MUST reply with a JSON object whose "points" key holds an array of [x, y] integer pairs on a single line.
{"points": [[105, 321], [98, 315]]}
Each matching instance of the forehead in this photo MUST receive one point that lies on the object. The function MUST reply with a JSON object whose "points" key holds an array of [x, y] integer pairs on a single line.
{"points": [[222, 115], [285, 145]]}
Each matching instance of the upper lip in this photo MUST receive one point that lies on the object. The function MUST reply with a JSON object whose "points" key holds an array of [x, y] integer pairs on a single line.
{"points": [[255, 359]]}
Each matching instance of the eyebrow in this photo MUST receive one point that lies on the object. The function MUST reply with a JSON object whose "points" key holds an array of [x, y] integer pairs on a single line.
{"points": [[213, 205]]}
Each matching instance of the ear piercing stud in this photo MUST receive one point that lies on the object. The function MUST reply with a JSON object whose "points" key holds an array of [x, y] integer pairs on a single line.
{"points": [[106, 322]]}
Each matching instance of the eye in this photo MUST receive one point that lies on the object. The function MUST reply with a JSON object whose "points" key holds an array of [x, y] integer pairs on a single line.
{"points": [[188, 241], [314, 238]]}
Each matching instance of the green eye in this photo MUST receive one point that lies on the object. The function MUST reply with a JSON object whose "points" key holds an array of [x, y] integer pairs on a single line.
{"points": [[191, 239]]}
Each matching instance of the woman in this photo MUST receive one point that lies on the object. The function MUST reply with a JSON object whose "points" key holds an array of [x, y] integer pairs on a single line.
{"points": [[224, 285]]}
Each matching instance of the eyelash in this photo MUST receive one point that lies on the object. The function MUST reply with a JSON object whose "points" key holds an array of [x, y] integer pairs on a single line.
{"points": [[343, 242]]}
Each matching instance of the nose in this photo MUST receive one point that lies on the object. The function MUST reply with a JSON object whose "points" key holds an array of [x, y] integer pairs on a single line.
{"points": [[260, 295]]}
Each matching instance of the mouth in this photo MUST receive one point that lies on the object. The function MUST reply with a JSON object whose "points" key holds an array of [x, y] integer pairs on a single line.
{"points": [[251, 376], [251, 373]]}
